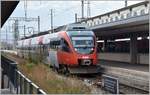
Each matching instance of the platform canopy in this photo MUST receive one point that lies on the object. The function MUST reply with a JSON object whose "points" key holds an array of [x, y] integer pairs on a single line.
{"points": [[7, 7]]}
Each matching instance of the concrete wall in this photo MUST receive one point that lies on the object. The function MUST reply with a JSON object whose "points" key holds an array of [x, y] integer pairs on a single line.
{"points": [[124, 57], [143, 58]]}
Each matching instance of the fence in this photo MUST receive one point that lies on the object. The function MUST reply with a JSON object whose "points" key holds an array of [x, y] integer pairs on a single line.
{"points": [[17, 82]]}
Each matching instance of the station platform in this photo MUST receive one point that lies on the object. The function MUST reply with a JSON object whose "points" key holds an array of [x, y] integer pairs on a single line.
{"points": [[135, 76], [6, 91], [125, 65]]}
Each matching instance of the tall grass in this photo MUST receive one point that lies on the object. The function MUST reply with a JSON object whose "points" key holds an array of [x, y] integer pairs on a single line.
{"points": [[49, 81]]}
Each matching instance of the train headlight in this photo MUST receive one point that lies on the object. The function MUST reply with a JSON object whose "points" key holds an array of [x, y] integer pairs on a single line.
{"points": [[76, 49], [92, 49]]}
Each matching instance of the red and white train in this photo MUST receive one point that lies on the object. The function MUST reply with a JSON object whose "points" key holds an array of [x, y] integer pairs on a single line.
{"points": [[73, 49]]}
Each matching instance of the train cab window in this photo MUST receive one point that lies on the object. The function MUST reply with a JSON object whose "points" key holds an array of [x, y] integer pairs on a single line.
{"points": [[65, 46]]}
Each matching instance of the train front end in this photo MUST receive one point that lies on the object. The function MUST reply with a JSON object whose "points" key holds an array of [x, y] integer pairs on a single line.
{"points": [[84, 49]]}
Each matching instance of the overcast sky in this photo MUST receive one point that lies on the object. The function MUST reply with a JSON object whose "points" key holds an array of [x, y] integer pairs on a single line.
{"points": [[64, 13]]}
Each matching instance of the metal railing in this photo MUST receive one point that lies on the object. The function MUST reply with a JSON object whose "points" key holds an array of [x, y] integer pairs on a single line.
{"points": [[17, 82]]}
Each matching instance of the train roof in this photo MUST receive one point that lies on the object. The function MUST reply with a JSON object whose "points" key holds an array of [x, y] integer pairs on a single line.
{"points": [[69, 27], [76, 26], [44, 32]]}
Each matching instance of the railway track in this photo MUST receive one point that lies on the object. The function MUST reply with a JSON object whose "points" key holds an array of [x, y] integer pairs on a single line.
{"points": [[96, 82], [131, 90]]}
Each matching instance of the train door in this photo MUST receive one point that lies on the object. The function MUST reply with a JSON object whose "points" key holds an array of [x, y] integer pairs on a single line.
{"points": [[53, 53]]}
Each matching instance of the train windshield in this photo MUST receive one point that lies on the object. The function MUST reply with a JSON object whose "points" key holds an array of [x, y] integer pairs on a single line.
{"points": [[84, 45]]}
